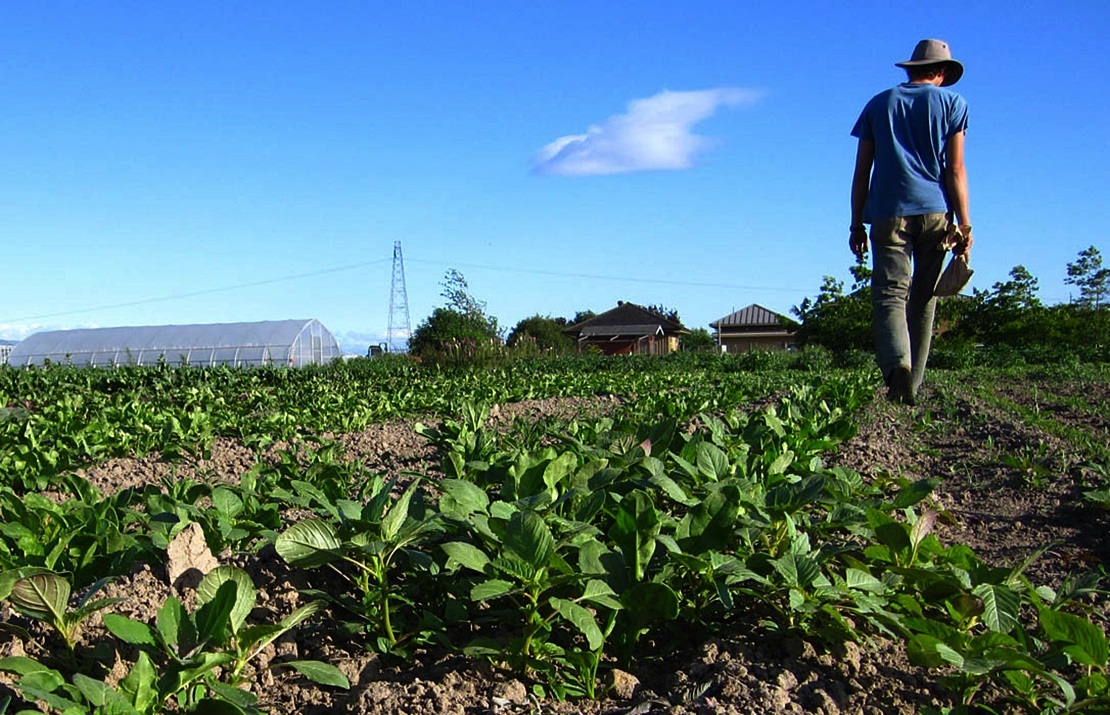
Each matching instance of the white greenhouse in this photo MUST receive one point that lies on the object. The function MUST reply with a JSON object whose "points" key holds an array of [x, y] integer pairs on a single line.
{"points": [[294, 343]]}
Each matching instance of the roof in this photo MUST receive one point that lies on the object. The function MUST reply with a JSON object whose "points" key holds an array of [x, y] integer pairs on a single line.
{"points": [[754, 316], [629, 318], [263, 342], [615, 330]]}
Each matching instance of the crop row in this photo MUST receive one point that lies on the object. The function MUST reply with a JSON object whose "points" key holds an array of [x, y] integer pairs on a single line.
{"points": [[57, 419]]}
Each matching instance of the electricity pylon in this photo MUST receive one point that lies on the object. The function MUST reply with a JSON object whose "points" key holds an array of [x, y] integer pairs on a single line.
{"points": [[399, 330]]}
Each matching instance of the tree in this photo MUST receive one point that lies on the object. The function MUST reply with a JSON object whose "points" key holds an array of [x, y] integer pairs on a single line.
{"points": [[664, 312], [1017, 294], [545, 330], [699, 341], [582, 315], [464, 318], [837, 320], [1091, 278], [1010, 313], [457, 293]]}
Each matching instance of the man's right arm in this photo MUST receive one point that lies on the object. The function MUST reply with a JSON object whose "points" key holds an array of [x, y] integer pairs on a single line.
{"points": [[956, 182], [861, 184]]}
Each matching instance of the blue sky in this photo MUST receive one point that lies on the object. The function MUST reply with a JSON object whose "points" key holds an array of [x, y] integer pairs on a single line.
{"points": [[194, 162]]}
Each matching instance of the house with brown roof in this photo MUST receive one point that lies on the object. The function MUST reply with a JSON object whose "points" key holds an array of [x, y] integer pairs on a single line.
{"points": [[628, 329], [753, 328]]}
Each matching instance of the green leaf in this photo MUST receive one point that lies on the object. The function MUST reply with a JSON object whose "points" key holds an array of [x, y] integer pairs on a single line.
{"points": [[319, 672], [709, 525], [215, 706], [915, 492], [672, 489], [245, 594], [797, 570], [21, 665], [205, 663], [1089, 639], [226, 501], [559, 469], [858, 579], [931, 652], [213, 618], [781, 462], [97, 692], [43, 595], [712, 462], [528, 537], [462, 498], [141, 686], [302, 614], [228, 693], [1000, 607], [490, 589], [255, 637], [647, 602], [582, 619], [894, 535], [130, 631], [309, 543], [397, 514], [469, 555], [600, 593], [634, 530], [454, 465], [170, 622]]}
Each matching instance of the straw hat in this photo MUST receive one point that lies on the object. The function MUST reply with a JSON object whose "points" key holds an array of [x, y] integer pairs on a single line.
{"points": [[933, 52]]}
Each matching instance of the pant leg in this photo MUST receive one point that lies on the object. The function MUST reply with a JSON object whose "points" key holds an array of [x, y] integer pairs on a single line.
{"points": [[891, 252], [928, 232]]}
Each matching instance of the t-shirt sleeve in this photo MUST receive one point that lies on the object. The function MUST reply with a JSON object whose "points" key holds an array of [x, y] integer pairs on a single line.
{"points": [[957, 117], [862, 129]]}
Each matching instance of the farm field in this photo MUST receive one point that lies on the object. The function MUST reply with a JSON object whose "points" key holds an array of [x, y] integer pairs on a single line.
{"points": [[698, 535]]}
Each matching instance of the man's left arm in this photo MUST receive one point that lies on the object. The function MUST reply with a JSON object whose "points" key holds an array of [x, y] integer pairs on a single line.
{"points": [[956, 183]]}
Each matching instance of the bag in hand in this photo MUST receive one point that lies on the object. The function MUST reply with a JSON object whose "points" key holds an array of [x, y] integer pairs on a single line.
{"points": [[955, 276]]}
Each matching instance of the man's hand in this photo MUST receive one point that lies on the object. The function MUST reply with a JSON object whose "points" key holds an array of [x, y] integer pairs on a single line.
{"points": [[858, 242], [959, 239], [962, 246]]}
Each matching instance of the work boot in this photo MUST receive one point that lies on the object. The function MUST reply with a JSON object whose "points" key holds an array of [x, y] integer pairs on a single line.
{"points": [[900, 386]]}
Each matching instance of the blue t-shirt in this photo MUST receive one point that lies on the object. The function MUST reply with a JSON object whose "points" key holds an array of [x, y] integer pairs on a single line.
{"points": [[909, 126]]}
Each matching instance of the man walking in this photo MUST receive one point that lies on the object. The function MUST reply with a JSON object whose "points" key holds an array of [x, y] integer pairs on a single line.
{"points": [[911, 186]]}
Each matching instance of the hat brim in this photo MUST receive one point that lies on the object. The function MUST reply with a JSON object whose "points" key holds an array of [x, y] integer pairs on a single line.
{"points": [[951, 76]]}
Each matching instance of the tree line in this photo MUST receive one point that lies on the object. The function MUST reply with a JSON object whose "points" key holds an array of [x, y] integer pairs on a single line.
{"points": [[837, 319]]}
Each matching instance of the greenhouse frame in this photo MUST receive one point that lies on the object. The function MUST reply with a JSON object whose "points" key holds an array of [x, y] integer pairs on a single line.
{"points": [[292, 343]]}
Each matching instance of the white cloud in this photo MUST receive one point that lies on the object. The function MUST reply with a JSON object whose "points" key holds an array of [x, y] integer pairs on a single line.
{"points": [[18, 331], [655, 133]]}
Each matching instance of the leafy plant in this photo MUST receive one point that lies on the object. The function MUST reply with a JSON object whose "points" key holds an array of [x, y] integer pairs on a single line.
{"points": [[205, 654], [44, 595], [369, 539]]}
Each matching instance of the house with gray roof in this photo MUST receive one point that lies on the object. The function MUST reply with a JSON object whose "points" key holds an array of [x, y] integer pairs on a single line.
{"points": [[628, 329], [753, 328]]}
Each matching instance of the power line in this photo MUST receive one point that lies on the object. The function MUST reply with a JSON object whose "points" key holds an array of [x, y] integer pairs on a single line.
{"points": [[626, 279], [352, 266], [207, 291]]}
